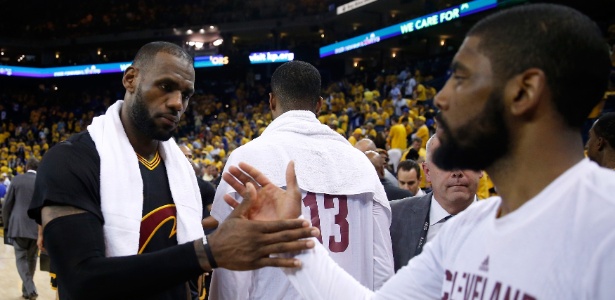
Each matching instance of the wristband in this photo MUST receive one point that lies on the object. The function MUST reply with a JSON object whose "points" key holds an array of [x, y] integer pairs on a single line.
{"points": [[210, 256]]}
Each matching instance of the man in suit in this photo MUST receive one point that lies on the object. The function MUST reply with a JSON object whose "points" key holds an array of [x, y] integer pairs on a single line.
{"points": [[366, 144], [416, 220], [392, 191], [409, 177], [20, 230]]}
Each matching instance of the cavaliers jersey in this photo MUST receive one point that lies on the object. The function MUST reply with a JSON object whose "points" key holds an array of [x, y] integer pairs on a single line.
{"points": [[346, 225], [158, 225], [341, 195], [348, 233]]}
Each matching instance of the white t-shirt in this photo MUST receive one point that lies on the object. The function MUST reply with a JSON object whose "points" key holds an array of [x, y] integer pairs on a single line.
{"points": [[558, 245], [437, 214], [410, 84], [347, 203]]}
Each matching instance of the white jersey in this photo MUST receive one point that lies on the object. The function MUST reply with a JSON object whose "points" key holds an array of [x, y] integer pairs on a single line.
{"points": [[558, 245], [341, 194]]}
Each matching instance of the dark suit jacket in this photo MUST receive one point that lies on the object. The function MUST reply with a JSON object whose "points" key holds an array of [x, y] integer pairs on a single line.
{"points": [[407, 226], [15, 210], [393, 191]]}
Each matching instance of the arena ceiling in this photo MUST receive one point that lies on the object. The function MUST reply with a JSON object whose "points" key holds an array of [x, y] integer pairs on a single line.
{"points": [[308, 32]]}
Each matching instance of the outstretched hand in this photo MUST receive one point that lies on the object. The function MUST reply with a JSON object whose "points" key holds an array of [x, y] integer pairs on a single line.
{"points": [[264, 223], [268, 201]]}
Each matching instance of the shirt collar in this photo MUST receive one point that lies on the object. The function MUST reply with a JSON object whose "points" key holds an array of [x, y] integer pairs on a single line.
{"points": [[437, 213]]}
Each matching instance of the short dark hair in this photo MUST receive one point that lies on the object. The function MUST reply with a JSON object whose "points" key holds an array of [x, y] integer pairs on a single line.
{"points": [[412, 154], [147, 53], [32, 164], [605, 128], [565, 44], [408, 165], [296, 85]]}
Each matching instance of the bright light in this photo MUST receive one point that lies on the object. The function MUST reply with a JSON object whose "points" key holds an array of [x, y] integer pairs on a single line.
{"points": [[1, 52], [393, 54], [191, 43], [57, 55], [189, 31], [198, 45], [98, 51], [442, 42], [356, 64], [55, 88], [218, 42], [212, 27], [322, 35], [201, 31]]}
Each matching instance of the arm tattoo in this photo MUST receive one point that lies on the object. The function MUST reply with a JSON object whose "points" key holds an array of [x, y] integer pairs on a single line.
{"points": [[49, 213]]}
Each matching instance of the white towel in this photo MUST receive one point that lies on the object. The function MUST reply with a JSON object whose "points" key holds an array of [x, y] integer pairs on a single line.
{"points": [[121, 186], [320, 156]]}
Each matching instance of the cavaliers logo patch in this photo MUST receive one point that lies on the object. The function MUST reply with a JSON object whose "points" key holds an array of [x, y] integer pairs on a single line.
{"points": [[153, 221]]}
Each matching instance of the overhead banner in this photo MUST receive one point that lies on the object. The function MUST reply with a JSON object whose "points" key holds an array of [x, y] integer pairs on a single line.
{"points": [[271, 57], [199, 62], [443, 16]]}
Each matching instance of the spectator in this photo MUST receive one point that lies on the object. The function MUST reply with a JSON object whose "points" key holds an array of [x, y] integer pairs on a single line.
{"points": [[409, 177], [418, 220], [20, 230]]}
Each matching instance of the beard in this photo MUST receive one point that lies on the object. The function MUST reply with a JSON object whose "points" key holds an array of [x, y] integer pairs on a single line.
{"points": [[477, 144], [144, 122]]}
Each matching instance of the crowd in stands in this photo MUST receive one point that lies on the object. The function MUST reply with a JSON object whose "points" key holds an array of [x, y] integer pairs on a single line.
{"points": [[216, 123], [393, 108], [214, 127]]}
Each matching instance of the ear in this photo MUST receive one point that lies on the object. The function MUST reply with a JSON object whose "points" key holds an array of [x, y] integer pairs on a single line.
{"points": [[427, 171], [600, 143], [129, 80], [272, 102], [525, 91], [318, 106]]}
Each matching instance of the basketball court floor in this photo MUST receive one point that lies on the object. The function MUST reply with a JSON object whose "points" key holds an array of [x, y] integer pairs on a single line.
{"points": [[10, 283]]}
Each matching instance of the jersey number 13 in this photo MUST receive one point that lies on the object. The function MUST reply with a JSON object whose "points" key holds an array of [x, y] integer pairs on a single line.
{"points": [[340, 218]]}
